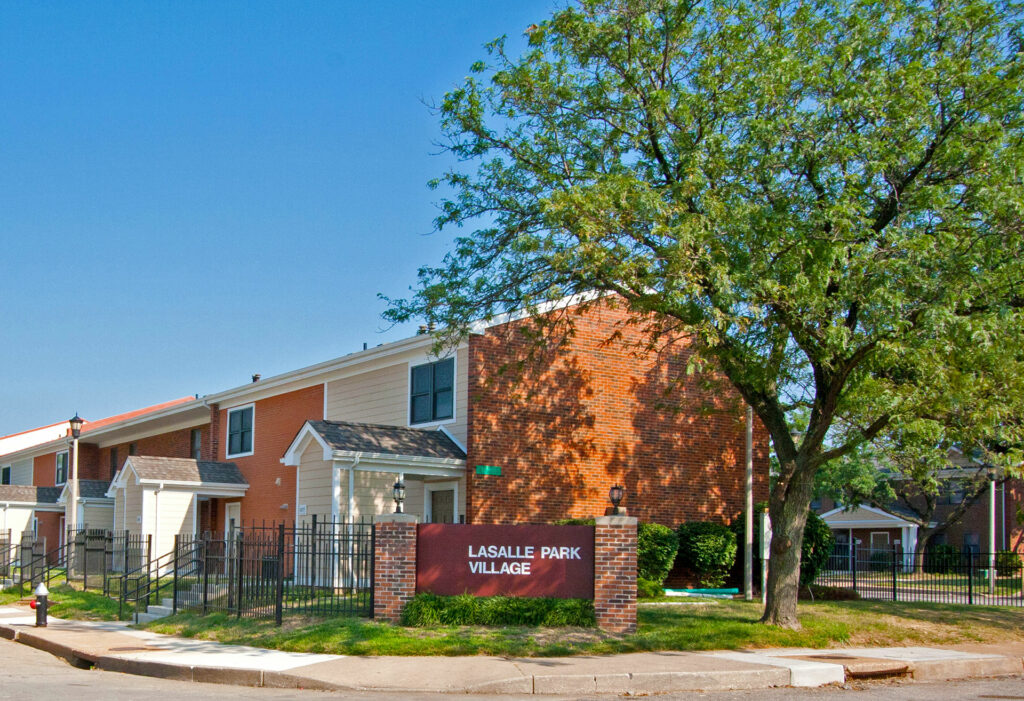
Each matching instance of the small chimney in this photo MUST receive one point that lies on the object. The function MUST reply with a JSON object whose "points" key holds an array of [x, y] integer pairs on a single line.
{"points": [[422, 330], [256, 377], [364, 345]]}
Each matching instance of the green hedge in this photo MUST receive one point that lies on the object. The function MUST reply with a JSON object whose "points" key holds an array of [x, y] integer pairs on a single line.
{"points": [[469, 610], [656, 550], [656, 547], [709, 549], [941, 558]]}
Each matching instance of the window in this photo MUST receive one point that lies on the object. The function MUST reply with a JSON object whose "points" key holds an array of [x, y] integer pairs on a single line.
{"points": [[5, 474], [61, 475], [197, 443], [113, 462], [240, 431], [132, 448], [432, 392]]}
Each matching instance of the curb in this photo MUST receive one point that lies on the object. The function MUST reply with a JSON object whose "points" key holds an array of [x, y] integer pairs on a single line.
{"points": [[626, 683]]}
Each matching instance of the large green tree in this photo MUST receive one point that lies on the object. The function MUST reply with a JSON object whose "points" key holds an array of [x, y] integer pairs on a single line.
{"points": [[823, 194]]}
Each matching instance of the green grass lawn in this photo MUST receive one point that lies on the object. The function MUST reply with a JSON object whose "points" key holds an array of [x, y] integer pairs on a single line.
{"points": [[661, 626], [67, 602]]}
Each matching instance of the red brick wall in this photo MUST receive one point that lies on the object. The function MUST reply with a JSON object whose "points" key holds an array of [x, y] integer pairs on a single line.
{"points": [[593, 409], [44, 469], [173, 444], [277, 421], [49, 528]]}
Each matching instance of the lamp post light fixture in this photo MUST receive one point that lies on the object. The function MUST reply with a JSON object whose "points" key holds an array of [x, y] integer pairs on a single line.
{"points": [[615, 496], [398, 491], [76, 430]]}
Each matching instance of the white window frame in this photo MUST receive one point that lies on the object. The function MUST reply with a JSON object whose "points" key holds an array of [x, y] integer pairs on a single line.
{"points": [[10, 473], [428, 487], [227, 430], [427, 360], [56, 467], [883, 548]]}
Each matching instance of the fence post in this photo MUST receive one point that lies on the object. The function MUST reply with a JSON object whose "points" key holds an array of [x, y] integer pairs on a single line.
{"points": [[241, 571], [85, 561], [206, 572], [894, 571], [312, 554], [177, 553], [970, 576], [853, 564], [279, 597]]}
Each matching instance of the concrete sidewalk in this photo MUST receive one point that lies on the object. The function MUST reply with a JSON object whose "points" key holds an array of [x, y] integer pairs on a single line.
{"points": [[115, 647]]}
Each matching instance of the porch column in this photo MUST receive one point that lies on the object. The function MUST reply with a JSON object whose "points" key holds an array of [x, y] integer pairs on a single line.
{"points": [[394, 576]]}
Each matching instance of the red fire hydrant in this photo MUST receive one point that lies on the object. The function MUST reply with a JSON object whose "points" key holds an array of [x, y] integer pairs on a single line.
{"points": [[40, 604]]}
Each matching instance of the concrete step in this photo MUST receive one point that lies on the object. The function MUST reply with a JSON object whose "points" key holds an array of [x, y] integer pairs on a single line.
{"points": [[148, 617], [167, 603], [160, 610]]}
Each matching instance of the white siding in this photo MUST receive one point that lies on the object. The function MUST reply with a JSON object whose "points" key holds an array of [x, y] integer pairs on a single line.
{"points": [[315, 484], [96, 516], [167, 513], [382, 396], [132, 508], [16, 518], [21, 472]]}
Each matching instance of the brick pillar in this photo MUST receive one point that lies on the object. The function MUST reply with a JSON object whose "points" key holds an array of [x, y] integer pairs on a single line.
{"points": [[394, 565], [615, 573]]}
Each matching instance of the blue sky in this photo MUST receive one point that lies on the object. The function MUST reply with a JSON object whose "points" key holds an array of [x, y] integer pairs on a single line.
{"points": [[192, 192]]}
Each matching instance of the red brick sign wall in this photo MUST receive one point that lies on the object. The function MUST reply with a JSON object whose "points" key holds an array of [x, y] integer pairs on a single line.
{"points": [[489, 560]]}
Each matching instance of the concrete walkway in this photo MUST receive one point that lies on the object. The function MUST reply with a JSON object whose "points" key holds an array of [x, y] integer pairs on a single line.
{"points": [[115, 647]]}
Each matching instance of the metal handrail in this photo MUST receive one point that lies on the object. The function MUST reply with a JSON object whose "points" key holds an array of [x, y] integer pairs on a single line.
{"points": [[145, 575]]}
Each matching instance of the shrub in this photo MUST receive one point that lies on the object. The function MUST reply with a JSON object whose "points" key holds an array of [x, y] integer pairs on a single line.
{"points": [[469, 610], [646, 589], [655, 552], [656, 548], [816, 549], [709, 549], [941, 558], [880, 561], [1007, 563], [574, 522]]}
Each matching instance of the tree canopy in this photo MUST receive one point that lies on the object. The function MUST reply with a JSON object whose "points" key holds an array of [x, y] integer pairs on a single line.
{"points": [[825, 195]]}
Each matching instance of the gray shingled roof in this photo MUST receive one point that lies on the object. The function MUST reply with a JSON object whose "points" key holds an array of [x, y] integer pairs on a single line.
{"points": [[391, 440], [186, 470], [30, 494], [93, 489]]}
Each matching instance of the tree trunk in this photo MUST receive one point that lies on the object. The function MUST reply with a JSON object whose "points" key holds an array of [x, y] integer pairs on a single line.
{"points": [[788, 509]]}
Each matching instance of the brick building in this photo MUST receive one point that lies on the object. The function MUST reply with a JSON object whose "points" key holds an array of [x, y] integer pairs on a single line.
{"points": [[507, 427]]}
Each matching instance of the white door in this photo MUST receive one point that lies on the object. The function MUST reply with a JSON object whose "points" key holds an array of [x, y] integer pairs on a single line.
{"points": [[232, 516]]}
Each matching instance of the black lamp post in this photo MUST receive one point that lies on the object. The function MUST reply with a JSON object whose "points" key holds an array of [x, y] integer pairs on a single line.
{"points": [[398, 491], [615, 495]]}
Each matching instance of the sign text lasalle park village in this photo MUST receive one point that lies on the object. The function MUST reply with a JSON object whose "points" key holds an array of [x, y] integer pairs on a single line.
{"points": [[491, 560]]}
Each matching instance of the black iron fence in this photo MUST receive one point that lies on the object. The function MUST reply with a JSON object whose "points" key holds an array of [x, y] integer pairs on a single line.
{"points": [[941, 577], [321, 568]]}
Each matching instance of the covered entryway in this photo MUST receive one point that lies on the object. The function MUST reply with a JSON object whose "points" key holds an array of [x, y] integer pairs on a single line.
{"points": [[166, 497]]}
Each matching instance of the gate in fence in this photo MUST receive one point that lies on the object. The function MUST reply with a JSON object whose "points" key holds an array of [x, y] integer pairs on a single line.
{"points": [[948, 578], [321, 568]]}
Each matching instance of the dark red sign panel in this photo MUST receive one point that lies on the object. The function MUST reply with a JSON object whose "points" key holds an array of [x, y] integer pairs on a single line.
{"points": [[490, 560]]}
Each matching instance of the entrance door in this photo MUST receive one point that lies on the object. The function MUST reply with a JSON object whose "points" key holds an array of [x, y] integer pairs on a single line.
{"points": [[442, 506], [232, 516]]}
